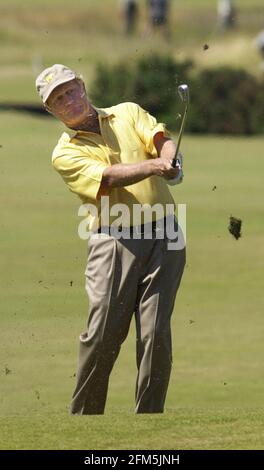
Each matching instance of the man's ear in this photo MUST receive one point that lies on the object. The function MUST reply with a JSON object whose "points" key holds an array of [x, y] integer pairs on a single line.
{"points": [[45, 106], [82, 85]]}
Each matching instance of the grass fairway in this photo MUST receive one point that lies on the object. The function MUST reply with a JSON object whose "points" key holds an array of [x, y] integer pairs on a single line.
{"points": [[178, 429], [216, 391]]}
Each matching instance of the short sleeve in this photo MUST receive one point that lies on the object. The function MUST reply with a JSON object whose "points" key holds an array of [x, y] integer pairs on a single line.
{"points": [[147, 127], [82, 174]]}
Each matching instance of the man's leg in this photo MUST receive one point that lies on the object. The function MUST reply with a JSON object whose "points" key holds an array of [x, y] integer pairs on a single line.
{"points": [[111, 279], [156, 297]]}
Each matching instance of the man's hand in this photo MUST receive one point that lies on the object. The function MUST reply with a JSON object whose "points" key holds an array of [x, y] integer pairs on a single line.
{"points": [[163, 167]]}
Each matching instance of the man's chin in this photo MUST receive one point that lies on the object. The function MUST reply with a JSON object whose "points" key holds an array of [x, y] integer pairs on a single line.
{"points": [[73, 124]]}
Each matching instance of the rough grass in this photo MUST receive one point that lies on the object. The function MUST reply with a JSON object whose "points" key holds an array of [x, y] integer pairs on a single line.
{"points": [[215, 397]]}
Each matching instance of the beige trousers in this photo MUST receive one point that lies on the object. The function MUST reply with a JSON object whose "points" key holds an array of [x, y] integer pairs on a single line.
{"points": [[126, 277]]}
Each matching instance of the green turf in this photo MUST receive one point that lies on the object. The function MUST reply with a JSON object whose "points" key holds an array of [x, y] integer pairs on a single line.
{"points": [[177, 429], [216, 391]]}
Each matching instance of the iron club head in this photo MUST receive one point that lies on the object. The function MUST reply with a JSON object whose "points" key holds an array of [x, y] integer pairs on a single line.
{"points": [[183, 91]]}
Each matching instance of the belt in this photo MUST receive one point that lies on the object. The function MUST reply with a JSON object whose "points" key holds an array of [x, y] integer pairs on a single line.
{"points": [[138, 229], [150, 228]]}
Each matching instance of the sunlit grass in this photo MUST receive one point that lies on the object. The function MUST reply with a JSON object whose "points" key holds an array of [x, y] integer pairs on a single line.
{"points": [[217, 324]]}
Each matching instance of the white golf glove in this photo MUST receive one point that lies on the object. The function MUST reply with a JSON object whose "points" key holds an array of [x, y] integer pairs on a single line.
{"points": [[180, 175]]}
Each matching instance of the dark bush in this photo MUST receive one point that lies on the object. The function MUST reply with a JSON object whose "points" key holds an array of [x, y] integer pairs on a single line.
{"points": [[223, 100], [150, 82], [257, 112]]}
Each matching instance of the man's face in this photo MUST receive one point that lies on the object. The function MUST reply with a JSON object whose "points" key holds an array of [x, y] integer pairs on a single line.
{"points": [[69, 103]]}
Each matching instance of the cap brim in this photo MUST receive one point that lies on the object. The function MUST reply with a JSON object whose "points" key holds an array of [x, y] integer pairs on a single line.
{"points": [[55, 84]]}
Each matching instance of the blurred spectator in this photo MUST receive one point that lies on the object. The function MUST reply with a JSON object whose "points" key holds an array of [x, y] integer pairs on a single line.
{"points": [[260, 46], [130, 13], [226, 14], [158, 15]]}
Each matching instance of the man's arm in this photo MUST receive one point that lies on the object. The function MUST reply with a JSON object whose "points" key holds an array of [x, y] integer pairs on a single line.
{"points": [[166, 148], [125, 174]]}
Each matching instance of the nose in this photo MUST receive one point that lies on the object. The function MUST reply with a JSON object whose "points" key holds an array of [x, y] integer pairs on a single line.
{"points": [[68, 102]]}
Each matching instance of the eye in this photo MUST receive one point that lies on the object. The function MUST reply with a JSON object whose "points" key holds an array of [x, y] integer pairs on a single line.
{"points": [[70, 91], [58, 99]]}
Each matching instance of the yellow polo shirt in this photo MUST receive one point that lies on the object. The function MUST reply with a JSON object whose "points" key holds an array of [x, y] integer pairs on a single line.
{"points": [[127, 133]]}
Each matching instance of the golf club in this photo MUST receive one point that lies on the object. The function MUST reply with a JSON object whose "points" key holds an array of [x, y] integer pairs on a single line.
{"points": [[183, 91]]}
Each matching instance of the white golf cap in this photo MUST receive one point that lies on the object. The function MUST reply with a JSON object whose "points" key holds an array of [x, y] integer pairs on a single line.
{"points": [[52, 77]]}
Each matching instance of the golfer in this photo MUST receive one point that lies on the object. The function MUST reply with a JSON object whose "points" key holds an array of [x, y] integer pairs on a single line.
{"points": [[122, 155]]}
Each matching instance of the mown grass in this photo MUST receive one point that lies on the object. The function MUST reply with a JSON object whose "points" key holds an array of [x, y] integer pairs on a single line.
{"points": [[178, 429], [215, 397]]}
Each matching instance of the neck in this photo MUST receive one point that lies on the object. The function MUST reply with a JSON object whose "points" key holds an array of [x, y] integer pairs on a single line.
{"points": [[90, 123]]}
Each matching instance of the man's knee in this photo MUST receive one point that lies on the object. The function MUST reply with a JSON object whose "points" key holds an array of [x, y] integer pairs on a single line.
{"points": [[104, 349]]}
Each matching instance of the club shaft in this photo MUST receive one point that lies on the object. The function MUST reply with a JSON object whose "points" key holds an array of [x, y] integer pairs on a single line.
{"points": [[180, 137]]}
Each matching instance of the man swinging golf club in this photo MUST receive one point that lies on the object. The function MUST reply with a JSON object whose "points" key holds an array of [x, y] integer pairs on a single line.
{"points": [[121, 153]]}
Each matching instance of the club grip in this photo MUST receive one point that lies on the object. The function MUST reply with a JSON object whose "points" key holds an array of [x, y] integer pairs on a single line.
{"points": [[174, 162]]}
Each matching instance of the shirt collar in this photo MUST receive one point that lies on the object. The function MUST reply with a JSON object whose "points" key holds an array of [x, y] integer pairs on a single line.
{"points": [[102, 112]]}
